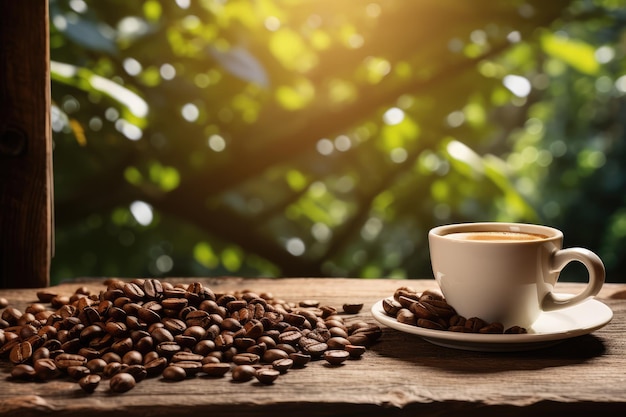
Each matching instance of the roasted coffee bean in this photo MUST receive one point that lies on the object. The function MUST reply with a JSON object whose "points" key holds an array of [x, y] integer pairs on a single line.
{"points": [[355, 351], [41, 353], [45, 296], [132, 357], [271, 355], [406, 302], [111, 357], [46, 369], [174, 373], [429, 324], [152, 288], [65, 360], [77, 372], [431, 295], [246, 359], [438, 307], [96, 365], [4, 303], [243, 373], [122, 382], [112, 369], [155, 366], [336, 357], [175, 326], [474, 324], [352, 308], [23, 371], [21, 352], [492, 328], [313, 347], [456, 320], [282, 365], [406, 316], [175, 304], [300, 360], [133, 291], [515, 330], [290, 337], [216, 369], [266, 376], [191, 368], [89, 383], [138, 372], [168, 349], [391, 306]]}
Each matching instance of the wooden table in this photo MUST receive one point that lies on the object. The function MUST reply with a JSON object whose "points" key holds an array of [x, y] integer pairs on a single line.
{"points": [[400, 375]]}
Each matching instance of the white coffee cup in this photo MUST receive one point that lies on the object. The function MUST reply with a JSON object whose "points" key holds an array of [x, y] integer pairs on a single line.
{"points": [[506, 272]]}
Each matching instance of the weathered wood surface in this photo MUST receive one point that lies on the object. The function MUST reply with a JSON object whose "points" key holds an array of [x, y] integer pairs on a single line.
{"points": [[400, 375], [25, 145]]}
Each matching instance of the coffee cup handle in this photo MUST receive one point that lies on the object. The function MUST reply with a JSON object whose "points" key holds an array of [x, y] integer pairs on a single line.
{"points": [[596, 271]]}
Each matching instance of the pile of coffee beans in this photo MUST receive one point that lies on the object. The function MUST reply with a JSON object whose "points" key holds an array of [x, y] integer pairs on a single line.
{"points": [[430, 310], [145, 328]]}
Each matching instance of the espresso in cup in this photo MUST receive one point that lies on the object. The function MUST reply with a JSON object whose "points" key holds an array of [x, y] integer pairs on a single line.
{"points": [[506, 272], [496, 236]]}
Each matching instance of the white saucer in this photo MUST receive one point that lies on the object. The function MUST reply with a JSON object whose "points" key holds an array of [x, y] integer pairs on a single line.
{"points": [[550, 328]]}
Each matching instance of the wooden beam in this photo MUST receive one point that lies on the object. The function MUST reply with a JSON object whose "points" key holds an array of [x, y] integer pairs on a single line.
{"points": [[25, 145]]}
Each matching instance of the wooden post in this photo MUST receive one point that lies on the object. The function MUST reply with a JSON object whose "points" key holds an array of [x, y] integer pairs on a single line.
{"points": [[25, 145]]}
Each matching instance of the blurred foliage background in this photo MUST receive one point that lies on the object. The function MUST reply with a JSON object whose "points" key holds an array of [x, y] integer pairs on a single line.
{"points": [[325, 137]]}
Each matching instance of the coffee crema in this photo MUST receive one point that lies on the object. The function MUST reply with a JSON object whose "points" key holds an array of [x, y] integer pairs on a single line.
{"points": [[496, 236]]}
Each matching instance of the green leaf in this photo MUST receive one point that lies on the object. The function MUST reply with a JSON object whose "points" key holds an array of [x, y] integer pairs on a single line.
{"points": [[577, 54]]}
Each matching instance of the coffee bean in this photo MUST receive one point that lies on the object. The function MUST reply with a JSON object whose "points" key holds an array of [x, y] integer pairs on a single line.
{"points": [[246, 359], [474, 324], [112, 369], [391, 306], [274, 354], [337, 342], [266, 376], [313, 347], [216, 369], [515, 330], [282, 365], [138, 372], [21, 352], [352, 308], [492, 328], [155, 367], [23, 371], [89, 383], [191, 368], [355, 351], [243, 373], [300, 360], [336, 357], [174, 373], [46, 369], [122, 382], [65, 360], [406, 316], [77, 372]]}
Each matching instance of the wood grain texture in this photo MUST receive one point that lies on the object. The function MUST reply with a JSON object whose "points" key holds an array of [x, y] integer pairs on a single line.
{"points": [[25, 145], [400, 375]]}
